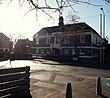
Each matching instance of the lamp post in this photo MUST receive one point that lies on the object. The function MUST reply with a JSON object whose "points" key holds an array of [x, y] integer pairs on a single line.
{"points": [[10, 43], [103, 22], [102, 48]]}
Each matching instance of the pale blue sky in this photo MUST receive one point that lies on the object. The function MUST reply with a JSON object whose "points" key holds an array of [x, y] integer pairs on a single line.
{"points": [[13, 19], [91, 15]]}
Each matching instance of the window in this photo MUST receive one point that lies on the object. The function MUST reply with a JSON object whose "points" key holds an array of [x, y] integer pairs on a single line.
{"points": [[82, 38], [82, 51], [98, 41], [57, 39], [52, 40], [48, 51], [66, 39], [42, 51], [37, 41], [37, 51], [94, 39], [47, 40], [66, 52], [73, 51]]}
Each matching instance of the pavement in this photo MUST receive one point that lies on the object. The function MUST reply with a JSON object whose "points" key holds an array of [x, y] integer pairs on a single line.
{"points": [[53, 83], [48, 79]]}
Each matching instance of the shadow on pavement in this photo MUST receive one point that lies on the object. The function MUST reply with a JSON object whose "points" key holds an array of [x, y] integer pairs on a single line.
{"points": [[88, 65], [3, 59], [103, 96], [67, 60]]}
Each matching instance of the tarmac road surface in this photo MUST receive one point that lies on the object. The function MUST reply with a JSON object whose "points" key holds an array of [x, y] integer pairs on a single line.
{"points": [[49, 79]]}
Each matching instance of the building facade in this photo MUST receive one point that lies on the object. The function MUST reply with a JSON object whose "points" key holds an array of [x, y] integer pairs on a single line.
{"points": [[67, 40], [5, 42], [5, 45], [22, 49]]}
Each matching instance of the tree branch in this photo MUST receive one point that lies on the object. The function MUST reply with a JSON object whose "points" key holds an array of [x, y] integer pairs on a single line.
{"points": [[89, 3]]}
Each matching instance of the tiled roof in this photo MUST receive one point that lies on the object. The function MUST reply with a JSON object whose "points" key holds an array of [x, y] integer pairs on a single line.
{"points": [[67, 27], [3, 36]]}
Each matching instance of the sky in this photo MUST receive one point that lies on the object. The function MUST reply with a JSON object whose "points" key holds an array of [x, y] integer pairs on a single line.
{"points": [[14, 19]]}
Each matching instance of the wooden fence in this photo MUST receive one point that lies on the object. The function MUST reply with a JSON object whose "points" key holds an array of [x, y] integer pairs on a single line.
{"points": [[15, 83]]}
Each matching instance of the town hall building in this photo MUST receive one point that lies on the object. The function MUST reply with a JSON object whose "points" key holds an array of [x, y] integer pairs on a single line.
{"points": [[67, 40]]}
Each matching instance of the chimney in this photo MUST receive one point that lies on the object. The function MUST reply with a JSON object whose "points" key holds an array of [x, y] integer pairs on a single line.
{"points": [[61, 21]]}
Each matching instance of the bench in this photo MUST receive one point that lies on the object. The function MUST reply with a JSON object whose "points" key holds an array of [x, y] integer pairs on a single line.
{"points": [[15, 83]]}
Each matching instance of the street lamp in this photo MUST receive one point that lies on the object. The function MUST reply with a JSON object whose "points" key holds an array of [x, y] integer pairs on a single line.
{"points": [[103, 22], [102, 40]]}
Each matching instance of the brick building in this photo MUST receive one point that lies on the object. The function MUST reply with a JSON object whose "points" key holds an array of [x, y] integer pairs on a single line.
{"points": [[22, 49], [4, 42], [67, 40], [5, 45]]}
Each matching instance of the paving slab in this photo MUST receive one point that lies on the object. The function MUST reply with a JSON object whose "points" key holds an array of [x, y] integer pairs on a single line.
{"points": [[51, 81], [43, 75]]}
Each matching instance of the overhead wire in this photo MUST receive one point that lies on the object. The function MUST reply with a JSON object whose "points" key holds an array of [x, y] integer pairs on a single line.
{"points": [[89, 17]]}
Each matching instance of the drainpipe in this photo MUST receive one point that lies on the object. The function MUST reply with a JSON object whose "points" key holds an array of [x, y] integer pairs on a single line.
{"points": [[101, 39]]}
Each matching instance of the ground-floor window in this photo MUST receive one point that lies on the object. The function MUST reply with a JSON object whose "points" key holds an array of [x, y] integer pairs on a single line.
{"points": [[37, 51], [88, 51], [42, 51], [95, 51], [48, 51], [66, 51], [73, 51], [82, 51]]}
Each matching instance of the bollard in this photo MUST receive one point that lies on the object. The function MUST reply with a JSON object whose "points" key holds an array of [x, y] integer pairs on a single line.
{"points": [[69, 91], [98, 86]]}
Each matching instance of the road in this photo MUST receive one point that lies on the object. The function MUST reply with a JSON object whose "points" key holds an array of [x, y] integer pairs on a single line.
{"points": [[49, 78]]}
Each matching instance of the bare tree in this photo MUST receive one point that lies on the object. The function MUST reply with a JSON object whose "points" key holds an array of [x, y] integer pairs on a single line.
{"points": [[60, 5], [108, 1], [46, 6], [14, 37], [72, 18]]}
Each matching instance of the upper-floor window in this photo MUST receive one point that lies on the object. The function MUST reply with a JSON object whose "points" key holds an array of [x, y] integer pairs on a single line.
{"points": [[98, 41], [94, 39], [57, 39], [82, 38], [52, 40], [37, 41], [47, 40], [66, 39]]}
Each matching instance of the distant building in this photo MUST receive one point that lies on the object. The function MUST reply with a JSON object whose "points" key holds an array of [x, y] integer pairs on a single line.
{"points": [[5, 45], [5, 42], [67, 40], [22, 45], [23, 48]]}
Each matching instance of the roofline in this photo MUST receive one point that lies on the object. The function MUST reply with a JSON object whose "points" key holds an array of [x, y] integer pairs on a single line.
{"points": [[69, 24]]}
